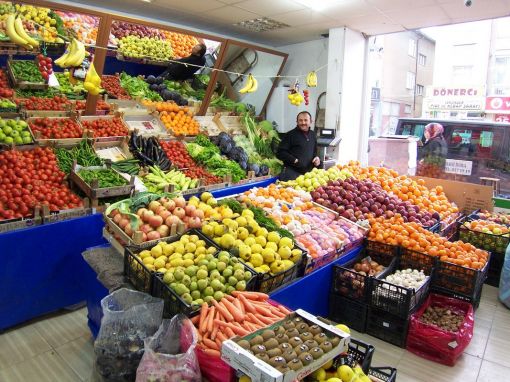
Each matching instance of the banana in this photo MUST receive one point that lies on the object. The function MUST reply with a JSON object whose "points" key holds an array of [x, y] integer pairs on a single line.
{"points": [[248, 85], [62, 61], [311, 79], [254, 86], [20, 30], [13, 36], [77, 56]]}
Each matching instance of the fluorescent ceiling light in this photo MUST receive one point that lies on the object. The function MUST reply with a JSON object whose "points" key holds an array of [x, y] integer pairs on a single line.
{"points": [[318, 5]]}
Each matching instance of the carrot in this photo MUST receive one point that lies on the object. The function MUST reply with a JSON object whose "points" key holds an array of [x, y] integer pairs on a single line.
{"points": [[211, 319], [236, 329], [229, 298], [218, 342], [196, 319], [236, 313], [262, 310], [255, 320], [225, 313], [203, 314], [239, 306], [210, 344], [220, 336], [212, 352], [283, 309], [247, 304], [266, 320], [229, 333], [216, 327], [251, 295]]}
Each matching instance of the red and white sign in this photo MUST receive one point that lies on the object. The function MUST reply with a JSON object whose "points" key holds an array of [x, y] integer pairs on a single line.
{"points": [[505, 118], [497, 104]]}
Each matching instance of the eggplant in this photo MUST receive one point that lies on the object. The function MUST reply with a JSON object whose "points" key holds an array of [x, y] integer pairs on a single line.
{"points": [[151, 80]]}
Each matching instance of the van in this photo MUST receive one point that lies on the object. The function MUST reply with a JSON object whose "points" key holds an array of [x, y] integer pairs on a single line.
{"points": [[476, 149]]}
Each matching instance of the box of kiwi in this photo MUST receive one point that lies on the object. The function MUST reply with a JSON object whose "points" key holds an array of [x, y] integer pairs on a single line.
{"points": [[287, 350]]}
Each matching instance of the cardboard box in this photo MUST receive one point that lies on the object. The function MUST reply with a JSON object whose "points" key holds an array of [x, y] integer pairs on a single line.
{"points": [[467, 196], [240, 359], [396, 152]]}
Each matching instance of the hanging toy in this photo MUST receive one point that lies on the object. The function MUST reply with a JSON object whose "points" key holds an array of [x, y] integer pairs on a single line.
{"points": [[92, 82], [311, 79], [295, 96]]}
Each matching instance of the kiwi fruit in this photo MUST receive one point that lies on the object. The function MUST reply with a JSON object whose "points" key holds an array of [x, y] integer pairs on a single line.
{"points": [[263, 356], [316, 352], [295, 341], [297, 320], [335, 341], [274, 352], [326, 346], [302, 328], [282, 337], [295, 364], [284, 346], [283, 369], [257, 349], [301, 349], [267, 334], [277, 361], [306, 358], [320, 338], [257, 340], [271, 343], [289, 355], [315, 329], [311, 344], [292, 333], [244, 344], [280, 330], [288, 325], [306, 336]]}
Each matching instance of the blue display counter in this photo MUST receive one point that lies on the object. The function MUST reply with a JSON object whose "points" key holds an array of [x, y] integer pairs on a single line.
{"points": [[42, 266]]}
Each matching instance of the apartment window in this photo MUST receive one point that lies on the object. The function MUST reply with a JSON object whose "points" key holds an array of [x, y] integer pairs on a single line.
{"points": [[410, 79], [391, 108], [422, 59], [420, 90], [407, 109], [411, 49]]}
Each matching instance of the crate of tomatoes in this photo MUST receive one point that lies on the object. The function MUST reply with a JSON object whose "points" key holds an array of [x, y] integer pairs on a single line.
{"points": [[57, 131], [105, 128]]}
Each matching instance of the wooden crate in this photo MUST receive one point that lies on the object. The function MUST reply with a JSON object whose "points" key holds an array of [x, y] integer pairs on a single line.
{"points": [[114, 151], [146, 125], [86, 118], [63, 142], [24, 84], [57, 216], [15, 224]]}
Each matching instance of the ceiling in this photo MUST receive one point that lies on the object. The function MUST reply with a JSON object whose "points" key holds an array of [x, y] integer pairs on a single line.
{"points": [[371, 17]]}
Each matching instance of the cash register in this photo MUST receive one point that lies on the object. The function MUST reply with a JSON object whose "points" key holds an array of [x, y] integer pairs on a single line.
{"points": [[327, 138]]}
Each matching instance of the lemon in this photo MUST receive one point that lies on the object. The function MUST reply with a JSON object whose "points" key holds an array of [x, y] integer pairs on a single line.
{"points": [[227, 241], [273, 237], [285, 252], [261, 240], [345, 373], [261, 232], [219, 230], [249, 241], [247, 213], [190, 247], [156, 251], [256, 248], [256, 260], [344, 328], [241, 221], [159, 263], [148, 260], [272, 245], [144, 254], [319, 375], [286, 242]]}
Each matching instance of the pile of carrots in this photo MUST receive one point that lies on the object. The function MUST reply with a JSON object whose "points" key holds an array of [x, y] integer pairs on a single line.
{"points": [[236, 315], [412, 236]]}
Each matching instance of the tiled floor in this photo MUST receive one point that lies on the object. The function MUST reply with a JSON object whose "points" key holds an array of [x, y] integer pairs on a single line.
{"points": [[60, 349]]}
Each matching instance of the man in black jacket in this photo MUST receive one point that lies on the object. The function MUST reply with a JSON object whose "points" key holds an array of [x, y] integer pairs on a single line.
{"points": [[177, 71], [298, 149]]}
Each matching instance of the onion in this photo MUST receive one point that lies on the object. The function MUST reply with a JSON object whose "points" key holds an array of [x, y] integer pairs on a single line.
{"points": [[141, 211], [154, 205], [145, 228], [159, 210], [195, 222], [128, 230], [163, 230], [171, 220], [114, 213], [164, 214], [117, 218], [147, 215], [123, 223], [180, 202], [155, 221], [179, 212], [198, 213], [153, 235], [189, 210], [170, 205], [357, 267]]}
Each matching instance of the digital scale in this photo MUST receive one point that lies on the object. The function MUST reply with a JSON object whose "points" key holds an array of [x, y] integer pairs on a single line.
{"points": [[327, 138]]}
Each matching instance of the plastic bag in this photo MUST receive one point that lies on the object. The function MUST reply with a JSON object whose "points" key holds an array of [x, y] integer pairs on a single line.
{"points": [[504, 281], [170, 354], [436, 344], [213, 368], [129, 318]]}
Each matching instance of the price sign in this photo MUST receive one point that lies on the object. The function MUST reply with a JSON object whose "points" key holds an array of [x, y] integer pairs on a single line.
{"points": [[460, 167]]}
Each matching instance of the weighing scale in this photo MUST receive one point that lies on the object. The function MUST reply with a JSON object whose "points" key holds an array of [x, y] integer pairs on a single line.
{"points": [[327, 138]]}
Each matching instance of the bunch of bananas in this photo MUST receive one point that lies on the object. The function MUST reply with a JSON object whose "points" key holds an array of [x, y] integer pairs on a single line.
{"points": [[73, 56], [295, 98], [17, 34], [251, 85], [311, 79], [92, 82]]}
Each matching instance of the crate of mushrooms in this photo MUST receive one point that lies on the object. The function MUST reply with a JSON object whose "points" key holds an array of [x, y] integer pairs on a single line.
{"points": [[287, 350]]}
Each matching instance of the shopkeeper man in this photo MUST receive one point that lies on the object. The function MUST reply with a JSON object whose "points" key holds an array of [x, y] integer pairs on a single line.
{"points": [[298, 149], [178, 71]]}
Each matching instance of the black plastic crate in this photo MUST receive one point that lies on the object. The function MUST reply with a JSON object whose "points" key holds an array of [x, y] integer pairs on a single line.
{"points": [[348, 312], [387, 327], [450, 230], [314, 264], [359, 353], [383, 374], [434, 228], [459, 282], [381, 248], [399, 300], [482, 240], [138, 274], [495, 266], [417, 260], [174, 304], [348, 283]]}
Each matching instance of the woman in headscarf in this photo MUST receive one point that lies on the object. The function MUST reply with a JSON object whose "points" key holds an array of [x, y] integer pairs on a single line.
{"points": [[432, 155]]}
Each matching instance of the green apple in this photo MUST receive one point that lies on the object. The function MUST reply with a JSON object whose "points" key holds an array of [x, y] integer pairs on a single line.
{"points": [[9, 140], [7, 130], [18, 140]]}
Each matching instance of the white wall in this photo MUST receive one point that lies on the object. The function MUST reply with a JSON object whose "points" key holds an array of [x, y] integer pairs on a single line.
{"points": [[303, 58]]}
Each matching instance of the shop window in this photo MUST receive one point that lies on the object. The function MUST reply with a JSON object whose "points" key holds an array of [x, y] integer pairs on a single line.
{"points": [[422, 59], [474, 142], [410, 80], [411, 49]]}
